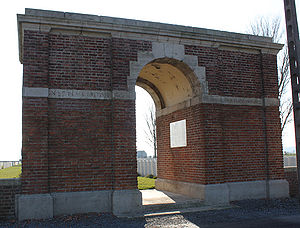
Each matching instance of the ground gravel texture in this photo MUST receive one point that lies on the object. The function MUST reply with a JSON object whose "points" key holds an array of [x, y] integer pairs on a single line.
{"points": [[241, 212]]}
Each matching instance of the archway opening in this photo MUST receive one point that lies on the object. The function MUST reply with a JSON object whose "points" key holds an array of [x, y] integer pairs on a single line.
{"points": [[169, 82], [146, 143], [172, 85], [145, 123]]}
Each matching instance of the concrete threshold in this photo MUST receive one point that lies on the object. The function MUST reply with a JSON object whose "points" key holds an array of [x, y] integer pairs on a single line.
{"points": [[153, 196], [186, 210], [156, 203]]}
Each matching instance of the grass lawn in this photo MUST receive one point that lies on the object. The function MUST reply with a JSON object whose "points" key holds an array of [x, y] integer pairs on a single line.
{"points": [[145, 183], [11, 172]]}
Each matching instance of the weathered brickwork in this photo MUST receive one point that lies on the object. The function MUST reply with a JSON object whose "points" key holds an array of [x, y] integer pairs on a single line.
{"points": [[35, 114], [74, 141], [221, 145], [291, 177], [124, 145], [35, 145], [79, 124], [226, 143], [92, 142], [269, 65], [8, 189], [124, 51], [77, 62], [274, 144], [36, 59], [234, 73], [183, 163], [79, 145]]}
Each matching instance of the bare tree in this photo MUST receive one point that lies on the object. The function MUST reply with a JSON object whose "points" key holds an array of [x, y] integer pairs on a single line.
{"points": [[271, 27], [286, 104], [150, 131]]}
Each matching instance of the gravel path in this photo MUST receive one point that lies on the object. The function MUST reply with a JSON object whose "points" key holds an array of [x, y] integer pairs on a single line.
{"points": [[246, 212]]}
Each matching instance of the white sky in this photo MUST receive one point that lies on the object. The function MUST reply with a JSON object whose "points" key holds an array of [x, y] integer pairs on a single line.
{"points": [[226, 15]]}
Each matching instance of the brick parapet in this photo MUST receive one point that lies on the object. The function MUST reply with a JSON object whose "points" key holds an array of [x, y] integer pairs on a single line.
{"points": [[44, 20]]}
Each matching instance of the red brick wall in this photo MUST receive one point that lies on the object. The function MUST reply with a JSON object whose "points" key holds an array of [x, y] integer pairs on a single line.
{"points": [[269, 65], [35, 59], [291, 176], [224, 144], [35, 114], [182, 163], [229, 73], [239, 73], [79, 145], [274, 143], [124, 160], [81, 154], [77, 62], [233, 73], [71, 144], [8, 189], [245, 155], [123, 51], [87, 145], [35, 145]]}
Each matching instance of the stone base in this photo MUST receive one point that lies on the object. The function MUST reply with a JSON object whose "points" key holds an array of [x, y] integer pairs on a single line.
{"points": [[81, 202], [127, 203], [222, 194], [36, 206], [44, 206], [257, 189]]}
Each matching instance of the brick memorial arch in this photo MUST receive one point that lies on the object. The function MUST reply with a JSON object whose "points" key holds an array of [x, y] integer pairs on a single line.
{"points": [[215, 92]]}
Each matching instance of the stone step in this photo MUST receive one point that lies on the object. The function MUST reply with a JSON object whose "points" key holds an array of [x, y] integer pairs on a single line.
{"points": [[164, 207]]}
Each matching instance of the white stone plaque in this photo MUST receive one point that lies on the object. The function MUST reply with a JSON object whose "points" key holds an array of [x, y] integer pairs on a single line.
{"points": [[178, 133]]}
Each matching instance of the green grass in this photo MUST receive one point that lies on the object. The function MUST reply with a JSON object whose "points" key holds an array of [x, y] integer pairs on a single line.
{"points": [[11, 172], [289, 154], [145, 183]]}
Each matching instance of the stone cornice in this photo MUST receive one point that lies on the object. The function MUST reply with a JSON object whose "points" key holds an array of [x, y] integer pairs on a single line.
{"points": [[44, 20]]}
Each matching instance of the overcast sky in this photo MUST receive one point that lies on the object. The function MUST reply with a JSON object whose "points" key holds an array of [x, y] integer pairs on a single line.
{"points": [[229, 15]]}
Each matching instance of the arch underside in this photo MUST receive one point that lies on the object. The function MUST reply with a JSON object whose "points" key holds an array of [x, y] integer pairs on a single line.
{"points": [[168, 81]]}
